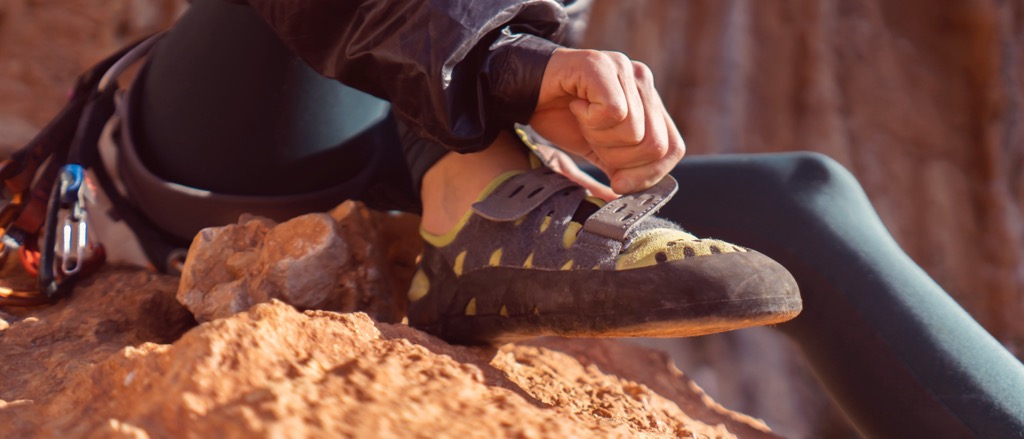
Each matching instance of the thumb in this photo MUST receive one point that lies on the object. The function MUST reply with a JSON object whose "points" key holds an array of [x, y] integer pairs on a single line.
{"points": [[580, 108], [600, 102], [588, 82]]}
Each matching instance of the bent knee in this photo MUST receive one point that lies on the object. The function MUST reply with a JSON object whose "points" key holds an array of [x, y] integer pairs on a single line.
{"points": [[816, 170]]}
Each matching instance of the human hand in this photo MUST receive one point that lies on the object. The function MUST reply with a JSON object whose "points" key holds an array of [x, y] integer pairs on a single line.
{"points": [[603, 106], [560, 162]]}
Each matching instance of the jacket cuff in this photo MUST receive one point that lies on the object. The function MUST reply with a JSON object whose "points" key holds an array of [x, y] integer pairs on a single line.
{"points": [[514, 72]]}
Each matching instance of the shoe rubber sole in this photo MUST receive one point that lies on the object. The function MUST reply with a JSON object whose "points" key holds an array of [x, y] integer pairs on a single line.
{"points": [[684, 298]]}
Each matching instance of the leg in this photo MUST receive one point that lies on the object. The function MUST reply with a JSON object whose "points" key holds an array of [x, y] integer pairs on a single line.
{"points": [[897, 353], [452, 184], [246, 116], [285, 131], [222, 106]]}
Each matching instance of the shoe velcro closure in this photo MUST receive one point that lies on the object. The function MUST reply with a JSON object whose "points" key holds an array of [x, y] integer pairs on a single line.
{"points": [[521, 194], [617, 218]]}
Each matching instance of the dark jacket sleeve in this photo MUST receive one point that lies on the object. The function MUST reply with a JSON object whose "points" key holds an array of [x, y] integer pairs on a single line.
{"points": [[455, 71]]}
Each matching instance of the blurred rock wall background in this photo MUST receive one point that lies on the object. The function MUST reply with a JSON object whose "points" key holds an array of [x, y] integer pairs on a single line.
{"points": [[46, 44], [921, 99]]}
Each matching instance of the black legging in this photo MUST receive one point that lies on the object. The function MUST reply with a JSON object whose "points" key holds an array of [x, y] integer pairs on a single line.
{"points": [[224, 106], [900, 357]]}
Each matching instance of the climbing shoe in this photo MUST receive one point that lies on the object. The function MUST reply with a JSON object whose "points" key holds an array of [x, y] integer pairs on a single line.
{"points": [[536, 256]]}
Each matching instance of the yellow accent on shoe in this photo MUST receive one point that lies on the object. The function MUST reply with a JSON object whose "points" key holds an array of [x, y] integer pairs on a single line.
{"points": [[525, 139], [419, 287], [545, 224], [495, 258], [663, 245], [535, 162], [529, 261], [447, 238], [568, 265], [597, 201], [519, 221], [571, 231], [504, 311], [471, 307], [459, 260]]}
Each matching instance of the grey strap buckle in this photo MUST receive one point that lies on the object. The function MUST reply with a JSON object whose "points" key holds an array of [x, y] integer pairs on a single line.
{"points": [[522, 194], [618, 217]]}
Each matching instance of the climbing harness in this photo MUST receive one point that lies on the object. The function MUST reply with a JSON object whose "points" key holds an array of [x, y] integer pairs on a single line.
{"points": [[47, 191]]}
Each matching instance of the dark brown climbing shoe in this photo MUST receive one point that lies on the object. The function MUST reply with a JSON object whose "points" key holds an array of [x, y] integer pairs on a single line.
{"points": [[536, 256]]}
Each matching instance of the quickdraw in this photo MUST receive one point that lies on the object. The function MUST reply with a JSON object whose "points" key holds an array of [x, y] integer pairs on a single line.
{"points": [[47, 191]]}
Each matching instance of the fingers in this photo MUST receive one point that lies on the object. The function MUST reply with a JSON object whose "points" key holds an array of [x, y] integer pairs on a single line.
{"points": [[604, 107], [608, 107], [636, 167], [565, 165], [635, 179], [630, 129], [596, 188], [654, 145]]}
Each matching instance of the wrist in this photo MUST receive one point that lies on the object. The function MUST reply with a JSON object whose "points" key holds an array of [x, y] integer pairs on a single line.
{"points": [[515, 71]]}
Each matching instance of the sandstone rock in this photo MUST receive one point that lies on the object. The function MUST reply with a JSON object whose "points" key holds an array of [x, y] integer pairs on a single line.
{"points": [[384, 248], [44, 47], [45, 345], [341, 262], [758, 371], [117, 359], [298, 262], [211, 284]]}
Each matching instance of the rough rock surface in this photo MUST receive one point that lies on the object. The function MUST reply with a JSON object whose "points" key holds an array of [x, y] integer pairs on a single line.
{"points": [[121, 359], [45, 45], [343, 261]]}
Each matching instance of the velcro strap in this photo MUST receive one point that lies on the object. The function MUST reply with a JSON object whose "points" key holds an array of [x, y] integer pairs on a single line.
{"points": [[618, 217], [522, 194]]}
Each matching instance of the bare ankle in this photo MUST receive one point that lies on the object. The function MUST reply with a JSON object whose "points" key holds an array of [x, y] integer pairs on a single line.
{"points": [[452, 185]]}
